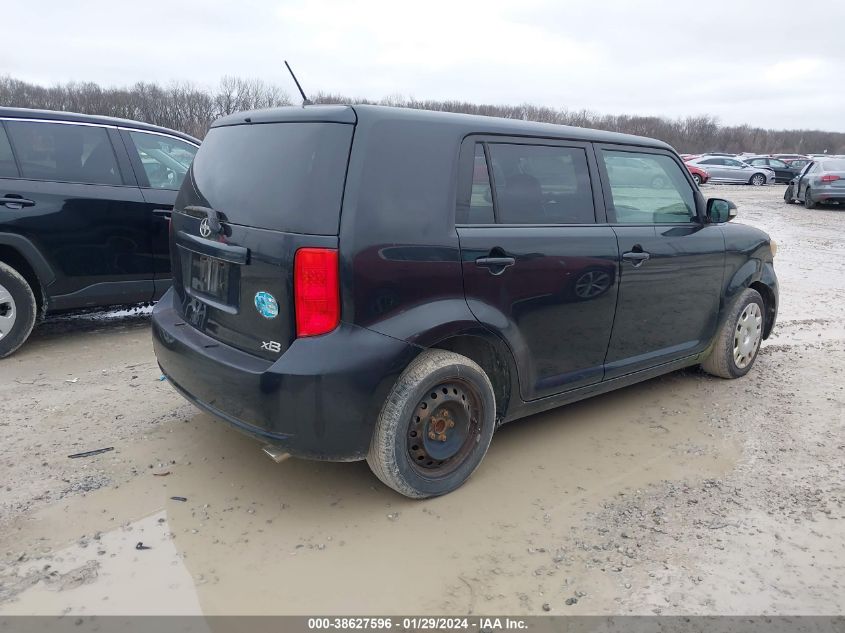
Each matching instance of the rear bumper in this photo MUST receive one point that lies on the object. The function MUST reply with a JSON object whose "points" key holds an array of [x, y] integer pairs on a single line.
{"points": [[823, 194], [319, 400]]}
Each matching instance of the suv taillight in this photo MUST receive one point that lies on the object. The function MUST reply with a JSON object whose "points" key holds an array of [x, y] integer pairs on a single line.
{"points": [[829, 178], [316, 291]]}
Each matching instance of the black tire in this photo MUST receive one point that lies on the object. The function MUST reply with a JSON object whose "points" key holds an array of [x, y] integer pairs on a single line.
{"points": [[787, 195], [696, 179], [808, 199], [398, 450], [721, 361], [758, 180], [17, 305]]}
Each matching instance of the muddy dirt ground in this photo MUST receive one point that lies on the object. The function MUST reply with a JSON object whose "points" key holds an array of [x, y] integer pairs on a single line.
{"points": [[686, 494]]}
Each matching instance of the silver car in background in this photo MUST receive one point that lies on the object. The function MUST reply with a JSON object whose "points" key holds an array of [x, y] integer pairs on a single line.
{"points": [[733, 170], [822, 180]]}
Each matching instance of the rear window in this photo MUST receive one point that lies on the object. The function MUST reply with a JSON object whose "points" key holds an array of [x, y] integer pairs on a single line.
{"points": [[834, 165], [280, 176]]}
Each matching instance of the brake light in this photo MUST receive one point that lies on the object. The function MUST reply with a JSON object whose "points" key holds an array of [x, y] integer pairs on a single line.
{"points": [[316, 291], [829, 178]]}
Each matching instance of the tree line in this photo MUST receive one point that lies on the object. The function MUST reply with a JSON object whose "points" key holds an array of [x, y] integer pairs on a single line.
{"points": [[191, 109]]}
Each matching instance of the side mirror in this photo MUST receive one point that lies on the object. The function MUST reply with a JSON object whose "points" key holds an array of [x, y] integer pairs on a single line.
{"points": [[719, 210]]}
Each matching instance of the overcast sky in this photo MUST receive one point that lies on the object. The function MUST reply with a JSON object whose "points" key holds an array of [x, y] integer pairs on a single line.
{"points": [[769, 63]]}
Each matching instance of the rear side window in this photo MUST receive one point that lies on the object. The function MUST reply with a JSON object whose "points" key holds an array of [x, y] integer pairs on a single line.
{"points": [[481, 197], [648, 188], [280, 176], [541, 184], [8, 169], [165, 159], [64, 152]]}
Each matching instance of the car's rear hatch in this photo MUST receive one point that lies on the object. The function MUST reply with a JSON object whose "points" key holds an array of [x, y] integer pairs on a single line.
{"points": [[262, 186]]}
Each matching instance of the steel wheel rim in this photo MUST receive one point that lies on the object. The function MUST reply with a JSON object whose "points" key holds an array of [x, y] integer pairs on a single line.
{"points": [[592, 284], [747, 335], [444, 428], [8, 312]]}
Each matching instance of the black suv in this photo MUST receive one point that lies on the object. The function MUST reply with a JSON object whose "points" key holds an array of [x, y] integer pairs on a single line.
{"points": [[84, 207], [391, 285]]}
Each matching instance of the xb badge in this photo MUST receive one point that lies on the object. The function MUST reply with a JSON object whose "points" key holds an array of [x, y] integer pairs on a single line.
{"points": [[266, 305]]}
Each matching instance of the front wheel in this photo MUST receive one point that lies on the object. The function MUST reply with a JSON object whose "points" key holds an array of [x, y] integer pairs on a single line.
{"points": [[758, 180], [435, 426], [788, 195], [696, 179], [738, 340]]}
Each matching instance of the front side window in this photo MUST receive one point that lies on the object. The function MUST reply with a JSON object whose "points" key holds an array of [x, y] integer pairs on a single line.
{"points": [[64, 152], [774, 162], [713, 161], [541, 184], [8, 169], [648, 188], [165, 159], [758, 162]]}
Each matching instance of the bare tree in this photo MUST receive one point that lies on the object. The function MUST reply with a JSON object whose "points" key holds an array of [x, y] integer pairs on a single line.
{"points": [[184, 106]]}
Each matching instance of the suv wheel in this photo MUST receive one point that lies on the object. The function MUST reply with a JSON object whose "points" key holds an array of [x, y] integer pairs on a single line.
{"points": [[435, 425], [17, 310], [738, 340]]}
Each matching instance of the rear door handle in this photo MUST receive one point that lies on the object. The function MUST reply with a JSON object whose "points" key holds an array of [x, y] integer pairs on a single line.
{"points": [[636, 257], [16, 202], [496, 265]]}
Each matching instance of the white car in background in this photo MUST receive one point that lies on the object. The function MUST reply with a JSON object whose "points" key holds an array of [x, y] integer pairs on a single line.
{"points": [[723, 169]]}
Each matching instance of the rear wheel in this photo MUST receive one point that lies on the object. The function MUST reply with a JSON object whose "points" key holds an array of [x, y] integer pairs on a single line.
{"points": [[808, 199], [435, 426], [738, 340], [758, 180], [17, 310]]}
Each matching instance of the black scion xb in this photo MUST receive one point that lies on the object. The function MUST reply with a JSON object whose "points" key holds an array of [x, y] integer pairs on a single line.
{"points": [[362, 282]]}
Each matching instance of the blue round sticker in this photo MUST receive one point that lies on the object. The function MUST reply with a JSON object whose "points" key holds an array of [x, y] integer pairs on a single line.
{"points": [[266, 305]]}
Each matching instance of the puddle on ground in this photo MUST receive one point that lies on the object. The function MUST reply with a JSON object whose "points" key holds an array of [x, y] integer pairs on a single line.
{"points": [[105, 574], [255, 537]]}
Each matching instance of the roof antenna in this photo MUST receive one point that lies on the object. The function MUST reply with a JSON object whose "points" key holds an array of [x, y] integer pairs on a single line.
{"points": [[305, 100]]}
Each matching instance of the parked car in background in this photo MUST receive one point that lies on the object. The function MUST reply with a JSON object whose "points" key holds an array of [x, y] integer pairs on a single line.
{"points": [[784, 172], [84, 212], [789, 156], [699, 175], [797, 163], [374, 304], [733, 170], [821, 181]]}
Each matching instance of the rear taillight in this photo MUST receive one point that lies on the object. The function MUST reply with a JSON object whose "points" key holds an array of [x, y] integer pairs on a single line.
{"points": [[829, 178], [316, 291]]}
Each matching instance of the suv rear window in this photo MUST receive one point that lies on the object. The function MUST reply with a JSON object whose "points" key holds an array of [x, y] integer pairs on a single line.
{"points": [[280, 176]]}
